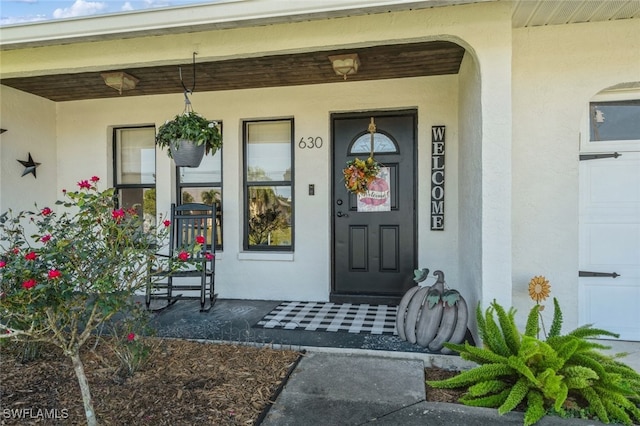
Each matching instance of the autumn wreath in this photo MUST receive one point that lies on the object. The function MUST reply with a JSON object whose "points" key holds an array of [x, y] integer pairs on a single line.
{"points": [[359, 174]]}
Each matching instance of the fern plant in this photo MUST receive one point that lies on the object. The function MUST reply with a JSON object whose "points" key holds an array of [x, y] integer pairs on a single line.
{"points": [[544, 375]]}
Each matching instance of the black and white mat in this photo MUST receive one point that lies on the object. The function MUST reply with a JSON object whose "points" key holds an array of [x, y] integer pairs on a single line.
{"points": [[332, 317]]}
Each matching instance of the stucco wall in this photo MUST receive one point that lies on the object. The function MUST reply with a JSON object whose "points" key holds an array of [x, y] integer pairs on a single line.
{"points": [[83, 133], [556, 70], [470, 186], [31, 128], [483, 29]]}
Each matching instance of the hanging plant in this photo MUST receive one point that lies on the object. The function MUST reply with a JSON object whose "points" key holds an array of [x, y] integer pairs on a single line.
{"points": [[190, 126], [189, 136], [358, 174]]}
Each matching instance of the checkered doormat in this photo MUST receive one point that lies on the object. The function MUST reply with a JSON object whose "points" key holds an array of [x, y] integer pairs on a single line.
{"points": [[321, 316]]}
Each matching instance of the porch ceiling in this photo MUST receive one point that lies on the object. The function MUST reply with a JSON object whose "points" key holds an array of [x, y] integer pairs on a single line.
{"points": [[379, 62]]}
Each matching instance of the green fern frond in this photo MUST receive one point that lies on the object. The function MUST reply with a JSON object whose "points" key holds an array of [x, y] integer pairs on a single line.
{"points": [[550, 358], [567, 349], [516, 395], [635, 412], [529, 348], [577, 382], [586, 331], [556, 324], [494, 339], [473, 376], [550, 383], [587, 362], [490, 401], [563, 393], [535, 408], [480, 320], [614, 366], [595, 403], [509, 328], [617, 414], [486, 387], [519, 365], [580, 371], [481, 355], [455, 346], [533, 328]]}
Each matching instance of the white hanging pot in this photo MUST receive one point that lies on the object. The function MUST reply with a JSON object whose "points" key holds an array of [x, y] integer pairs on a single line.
{"points": [[187, 153]]}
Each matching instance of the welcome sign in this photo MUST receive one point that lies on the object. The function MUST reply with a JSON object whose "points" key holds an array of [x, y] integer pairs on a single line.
{"points": [[377, 198], [437, 178]]}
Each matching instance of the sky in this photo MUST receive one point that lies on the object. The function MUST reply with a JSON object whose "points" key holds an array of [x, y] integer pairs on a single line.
{"points": [[22, 11]]}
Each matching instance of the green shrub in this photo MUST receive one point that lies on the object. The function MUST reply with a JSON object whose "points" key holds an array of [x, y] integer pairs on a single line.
{"points": [[64, 274], [545, 375]]}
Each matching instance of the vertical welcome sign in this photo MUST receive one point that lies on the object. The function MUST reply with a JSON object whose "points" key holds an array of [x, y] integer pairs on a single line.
{"points": [[437, 178]]}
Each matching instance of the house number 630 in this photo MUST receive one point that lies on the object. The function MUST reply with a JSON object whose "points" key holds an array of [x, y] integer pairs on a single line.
{"points": [[310, 142]]}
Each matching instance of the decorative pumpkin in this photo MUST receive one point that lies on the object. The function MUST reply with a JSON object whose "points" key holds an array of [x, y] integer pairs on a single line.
{"points": [[432, 316]]}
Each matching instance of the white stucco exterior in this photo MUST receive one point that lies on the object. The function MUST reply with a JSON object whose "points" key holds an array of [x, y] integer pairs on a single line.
{"points": [[513, 116]]}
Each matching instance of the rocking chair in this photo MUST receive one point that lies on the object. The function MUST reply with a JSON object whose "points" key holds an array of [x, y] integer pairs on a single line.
{"points": [[188, 221]]}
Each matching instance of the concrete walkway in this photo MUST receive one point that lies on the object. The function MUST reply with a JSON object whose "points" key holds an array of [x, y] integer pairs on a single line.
{"points": [[344, 378], [338, 389]]}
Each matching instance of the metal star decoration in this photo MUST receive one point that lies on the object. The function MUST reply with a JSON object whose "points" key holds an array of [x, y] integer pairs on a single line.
{"points": [[29, 166]]}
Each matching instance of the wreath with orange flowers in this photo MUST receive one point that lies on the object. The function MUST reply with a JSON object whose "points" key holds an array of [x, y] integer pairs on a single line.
{"points": [[359, 174]]}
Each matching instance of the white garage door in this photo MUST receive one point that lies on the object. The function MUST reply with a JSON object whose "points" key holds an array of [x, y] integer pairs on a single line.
{"points": [[609, 283]]}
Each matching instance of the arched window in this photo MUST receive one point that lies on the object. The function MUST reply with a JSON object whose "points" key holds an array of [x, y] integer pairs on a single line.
{"points": [[382, 144]]}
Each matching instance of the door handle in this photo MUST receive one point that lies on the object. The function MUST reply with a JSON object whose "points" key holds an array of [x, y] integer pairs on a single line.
{"points": [[340, 214], [597, 274]]}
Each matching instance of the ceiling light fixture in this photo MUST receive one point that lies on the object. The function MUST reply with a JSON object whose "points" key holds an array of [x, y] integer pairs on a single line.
{"points": [[119, 80], [345, 65]]}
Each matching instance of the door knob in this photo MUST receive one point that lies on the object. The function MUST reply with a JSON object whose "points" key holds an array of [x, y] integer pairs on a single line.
{"points": [[340, 214]]}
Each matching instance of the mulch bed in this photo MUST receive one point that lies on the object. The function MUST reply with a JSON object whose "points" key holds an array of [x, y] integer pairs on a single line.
{"points": [[441, 395], [183, 383]]}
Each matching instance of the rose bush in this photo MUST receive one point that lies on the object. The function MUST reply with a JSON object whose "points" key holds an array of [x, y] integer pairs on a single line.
{"points": [[64, 274]]}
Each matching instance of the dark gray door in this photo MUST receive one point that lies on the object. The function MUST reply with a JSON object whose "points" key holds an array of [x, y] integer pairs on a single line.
{"points": [[374, 253]]}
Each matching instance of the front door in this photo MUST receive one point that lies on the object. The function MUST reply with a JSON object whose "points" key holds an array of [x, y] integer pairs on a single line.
{"points": [[609, 283], [374, 253]]}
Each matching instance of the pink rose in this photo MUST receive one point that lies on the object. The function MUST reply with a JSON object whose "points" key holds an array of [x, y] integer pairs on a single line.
{"points": [[131, 337], [45, 238], [30, 256], [46, 211], [166, 223], [117, 215], [208, 256], [3, 263], [183, 256], [94, 179], [200, 239], [54, 274], [29, 284], [84, 184]]}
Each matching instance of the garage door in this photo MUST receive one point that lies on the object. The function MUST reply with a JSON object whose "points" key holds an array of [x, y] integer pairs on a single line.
{"points": [[609, 281]]}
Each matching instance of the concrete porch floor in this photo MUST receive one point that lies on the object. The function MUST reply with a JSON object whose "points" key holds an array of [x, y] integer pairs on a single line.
{"points": [[232, 320]]}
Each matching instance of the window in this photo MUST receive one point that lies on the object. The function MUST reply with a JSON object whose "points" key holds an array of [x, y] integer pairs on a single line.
{"points": [[268, 185], [381, 144], [614, 121], [203, 184], [134, 170]]}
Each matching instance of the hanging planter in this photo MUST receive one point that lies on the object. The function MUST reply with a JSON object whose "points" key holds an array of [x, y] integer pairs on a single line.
{"points": [[189, 136], [358, 174], [186, 153]]}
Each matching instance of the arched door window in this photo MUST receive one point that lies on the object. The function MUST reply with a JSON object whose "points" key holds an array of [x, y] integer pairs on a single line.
{"points": [[382, 144]]}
